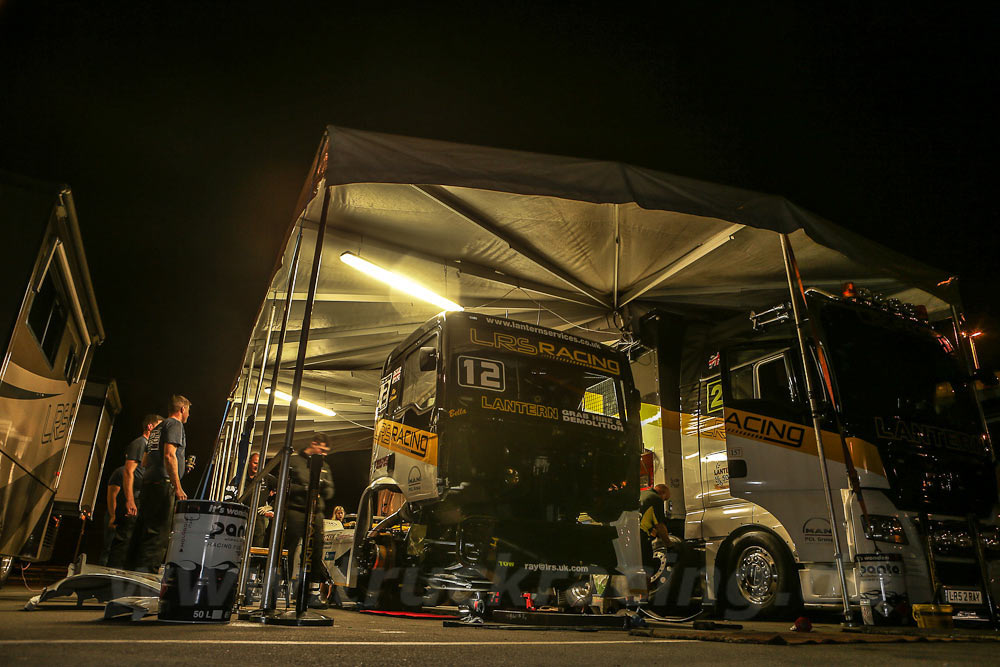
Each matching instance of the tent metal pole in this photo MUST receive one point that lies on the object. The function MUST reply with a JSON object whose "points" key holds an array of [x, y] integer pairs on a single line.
{"points": [[681, 263], [255, 499], [266, 600], [220, 469], [252, 521], [274, 543], [234, 442], [235, 456], [224, 468], [452, 203], [463, 266], [219, 452], [961, 340], [206, 476], [293, 405], [286, 453], [256, 401], [814, 409]]}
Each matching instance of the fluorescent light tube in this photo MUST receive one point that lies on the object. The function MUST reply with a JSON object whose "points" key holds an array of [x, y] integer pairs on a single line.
{"points": [[397, 281], [302, 403]]}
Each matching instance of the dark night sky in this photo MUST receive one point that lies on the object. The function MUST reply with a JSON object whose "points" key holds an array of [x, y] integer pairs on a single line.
{"points": [[186, 131]]}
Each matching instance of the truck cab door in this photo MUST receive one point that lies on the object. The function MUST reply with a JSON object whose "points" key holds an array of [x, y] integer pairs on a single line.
{"points": [[763, 415], [406, 421], [770, 443]]}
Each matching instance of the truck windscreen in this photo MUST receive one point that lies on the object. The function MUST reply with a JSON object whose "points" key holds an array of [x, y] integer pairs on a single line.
{"points": [[535, 424], [894, 370], [529, 387]]}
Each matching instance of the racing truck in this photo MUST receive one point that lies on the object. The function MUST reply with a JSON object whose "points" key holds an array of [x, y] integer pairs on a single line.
{"points": [[725, 411], [505, 463]]}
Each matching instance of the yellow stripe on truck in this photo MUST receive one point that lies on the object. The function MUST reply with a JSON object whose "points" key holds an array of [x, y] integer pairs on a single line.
{"points": [[406, 440], [797, 437]]}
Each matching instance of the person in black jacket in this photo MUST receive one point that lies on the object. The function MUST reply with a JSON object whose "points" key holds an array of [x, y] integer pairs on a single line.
{"points": [[295, 513], [265, 509]]}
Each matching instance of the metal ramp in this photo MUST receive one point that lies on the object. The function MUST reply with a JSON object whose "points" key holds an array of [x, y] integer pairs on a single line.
{"points": [[101, 584]]}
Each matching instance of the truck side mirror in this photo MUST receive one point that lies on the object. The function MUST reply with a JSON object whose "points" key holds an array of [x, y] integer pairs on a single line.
{"points": [[427, 358]]}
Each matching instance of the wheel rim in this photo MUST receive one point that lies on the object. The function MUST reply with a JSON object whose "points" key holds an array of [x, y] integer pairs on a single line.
{"points": [[660, 573], [6, 565], [757, 575]]}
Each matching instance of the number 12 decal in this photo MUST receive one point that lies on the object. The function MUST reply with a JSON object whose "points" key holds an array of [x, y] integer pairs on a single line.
{"points": [[480, 373]]}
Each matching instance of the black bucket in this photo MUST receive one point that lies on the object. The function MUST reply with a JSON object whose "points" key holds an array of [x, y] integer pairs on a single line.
{"points": [[203, 562]]}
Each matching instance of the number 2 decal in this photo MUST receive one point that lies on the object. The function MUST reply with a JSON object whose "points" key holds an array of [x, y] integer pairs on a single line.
{"points": [[480, 373], [714, 390]]}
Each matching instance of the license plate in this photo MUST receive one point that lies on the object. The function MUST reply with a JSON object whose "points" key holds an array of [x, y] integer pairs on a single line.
{"points": [[963, 597]]}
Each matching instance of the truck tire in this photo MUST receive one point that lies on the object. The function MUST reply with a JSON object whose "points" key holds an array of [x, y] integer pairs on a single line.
{"points": [[761, 579]]}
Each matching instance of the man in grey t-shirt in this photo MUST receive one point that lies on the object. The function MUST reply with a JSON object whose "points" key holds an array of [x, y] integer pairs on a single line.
{"points": [[161, 485], [131, 483]]}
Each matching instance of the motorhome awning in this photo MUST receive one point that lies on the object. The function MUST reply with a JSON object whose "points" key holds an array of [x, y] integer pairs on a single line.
{"points": [[563, 242]]}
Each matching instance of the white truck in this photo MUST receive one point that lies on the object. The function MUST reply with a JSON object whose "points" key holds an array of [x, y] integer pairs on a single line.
{"points": [[725, 414]]}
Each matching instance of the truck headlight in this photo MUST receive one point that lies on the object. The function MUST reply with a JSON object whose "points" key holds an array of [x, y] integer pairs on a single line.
{"points": [[991, 538], [884, 528], [950, 538]]}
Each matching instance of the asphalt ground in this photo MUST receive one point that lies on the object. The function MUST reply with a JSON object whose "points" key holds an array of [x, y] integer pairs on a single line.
{"points": [[60, 634]]}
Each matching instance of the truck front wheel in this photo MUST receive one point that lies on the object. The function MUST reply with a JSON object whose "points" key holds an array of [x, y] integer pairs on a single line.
{"points": [[761, 579]]}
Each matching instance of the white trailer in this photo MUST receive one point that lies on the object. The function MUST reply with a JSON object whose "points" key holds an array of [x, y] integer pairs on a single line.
{"points": [[51, 327]]}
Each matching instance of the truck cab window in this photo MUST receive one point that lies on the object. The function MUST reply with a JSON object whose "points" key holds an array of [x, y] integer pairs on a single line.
{"points": [[772, 381], [741, 381], [419, 387], [47, 318], [601, 397]]}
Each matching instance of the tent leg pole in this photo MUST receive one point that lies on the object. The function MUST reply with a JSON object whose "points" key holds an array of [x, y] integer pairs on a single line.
{"points": [[274, 543], [255, 499], [814, 409], [269, 415], [252, 425], [300, 362], [971, 365], [238, 418], [206, 476], [220, 455]]}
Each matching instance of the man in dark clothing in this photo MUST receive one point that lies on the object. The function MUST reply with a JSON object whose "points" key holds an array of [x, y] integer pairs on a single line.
{"points": [[298, 500], [111, 519], [161, 486], [652, 518], [131, 484]]}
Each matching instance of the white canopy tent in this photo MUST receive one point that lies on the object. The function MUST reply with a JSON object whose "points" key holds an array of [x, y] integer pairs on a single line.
{"points": [[567, 243]]}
